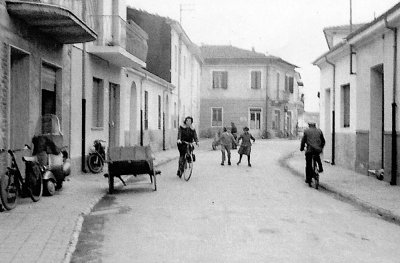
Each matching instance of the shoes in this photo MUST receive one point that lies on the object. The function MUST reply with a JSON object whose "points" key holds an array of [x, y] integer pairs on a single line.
{"points": [[222, 163], [249, 164], [229, 163], [320, 170], [179, 174], [309, 184], [194, 157], [238, 163]]}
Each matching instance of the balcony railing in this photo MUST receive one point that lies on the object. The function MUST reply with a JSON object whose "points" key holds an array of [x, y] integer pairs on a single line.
{"points": [[112, 30], [74, 6]]}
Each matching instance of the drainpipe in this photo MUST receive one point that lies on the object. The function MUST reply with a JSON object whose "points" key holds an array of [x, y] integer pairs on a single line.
{"points": [[333, 109], [141, 109], [266, 100], [83, 138], [394, 105]]}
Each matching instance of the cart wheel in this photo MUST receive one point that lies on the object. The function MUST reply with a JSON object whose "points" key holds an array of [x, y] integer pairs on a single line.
{"points": [[110, 183], [154, 180], [50, 188]]}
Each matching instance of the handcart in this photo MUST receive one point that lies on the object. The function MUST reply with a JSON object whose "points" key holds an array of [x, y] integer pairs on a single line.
{"points": [[127, 160]]}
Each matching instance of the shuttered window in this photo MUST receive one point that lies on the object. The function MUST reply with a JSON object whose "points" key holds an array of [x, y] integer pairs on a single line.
{"points": [[346, 105], [146, 110], [220, 80], [256, 79], [98, 103], [255, 119]]}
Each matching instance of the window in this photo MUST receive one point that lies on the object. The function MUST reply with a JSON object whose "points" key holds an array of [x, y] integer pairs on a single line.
{"points": [[159, 112], [346, 105], [256, 79], [289, 84], [216, 119], [146, 110], [98, 103], [255, 119], [277, 85], [220, 80], [276, 124]]}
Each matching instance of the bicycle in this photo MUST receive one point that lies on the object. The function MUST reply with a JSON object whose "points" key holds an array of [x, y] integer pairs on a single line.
{"points": [[12, 184], [188, 161], [97, 156]]}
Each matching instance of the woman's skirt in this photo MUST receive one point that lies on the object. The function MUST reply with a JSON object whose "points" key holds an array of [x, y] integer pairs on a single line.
{"points": [[246, 150]]}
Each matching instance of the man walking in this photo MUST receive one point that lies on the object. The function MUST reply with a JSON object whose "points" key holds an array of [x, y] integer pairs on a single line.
{"points": [[226, 141]]}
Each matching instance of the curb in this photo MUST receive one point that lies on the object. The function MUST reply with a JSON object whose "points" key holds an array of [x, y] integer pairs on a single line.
{"points": [[384, 214], [79, 222]]}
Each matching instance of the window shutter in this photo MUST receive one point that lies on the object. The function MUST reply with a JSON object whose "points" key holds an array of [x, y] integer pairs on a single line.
{"points": [[258, 80], [214, 79], [225, 80], [291, 84], [253, 80]]}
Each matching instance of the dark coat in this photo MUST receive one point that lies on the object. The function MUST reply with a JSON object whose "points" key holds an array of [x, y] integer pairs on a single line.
{"points": [[314, 139]]}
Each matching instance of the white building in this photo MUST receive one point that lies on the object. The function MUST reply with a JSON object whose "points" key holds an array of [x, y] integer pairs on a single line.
{"points": [[359, 95]]}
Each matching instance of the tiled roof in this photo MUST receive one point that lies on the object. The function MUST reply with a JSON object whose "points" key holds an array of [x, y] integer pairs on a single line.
{"points": [[228, 52], [231, 54]]}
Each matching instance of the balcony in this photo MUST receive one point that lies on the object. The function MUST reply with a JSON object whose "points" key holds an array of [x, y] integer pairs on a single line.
{"points": [[119, 42], [60, 19]]}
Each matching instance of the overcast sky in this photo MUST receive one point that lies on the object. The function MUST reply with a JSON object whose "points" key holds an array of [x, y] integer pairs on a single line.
{"points": [[290, 29]]}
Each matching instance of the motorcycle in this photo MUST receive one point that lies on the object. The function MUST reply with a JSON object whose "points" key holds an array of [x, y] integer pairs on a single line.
{"points": [[97, 156], [50, 152]]}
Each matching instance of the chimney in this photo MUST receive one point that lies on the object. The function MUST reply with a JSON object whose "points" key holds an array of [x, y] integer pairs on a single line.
{"points": [[252, 49]]}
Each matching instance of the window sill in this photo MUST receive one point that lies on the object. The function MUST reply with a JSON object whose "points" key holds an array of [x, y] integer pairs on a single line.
{"points": [[97, 128]]}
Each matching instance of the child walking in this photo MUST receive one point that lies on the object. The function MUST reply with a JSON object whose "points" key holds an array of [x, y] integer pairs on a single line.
{"points": [[226, 140], [245, 147]]}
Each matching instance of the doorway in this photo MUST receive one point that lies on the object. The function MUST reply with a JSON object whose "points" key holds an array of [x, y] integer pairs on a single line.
{"points": [[113, 114], [377, 113], [19, 98]]}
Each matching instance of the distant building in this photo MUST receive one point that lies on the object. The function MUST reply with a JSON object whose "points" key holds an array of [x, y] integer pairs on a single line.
{"points": [[359, 97], [249, 89], [173, 57]]}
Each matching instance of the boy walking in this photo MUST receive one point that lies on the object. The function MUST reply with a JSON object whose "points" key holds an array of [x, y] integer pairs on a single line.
{"points": [[226, 140]]}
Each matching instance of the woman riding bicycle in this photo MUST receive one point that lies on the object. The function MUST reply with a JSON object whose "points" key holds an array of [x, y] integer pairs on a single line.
{"points": [[186, 134]]}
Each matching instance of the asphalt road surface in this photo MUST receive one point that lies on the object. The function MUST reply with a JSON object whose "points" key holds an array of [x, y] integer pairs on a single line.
{"points": [[233, 213]]}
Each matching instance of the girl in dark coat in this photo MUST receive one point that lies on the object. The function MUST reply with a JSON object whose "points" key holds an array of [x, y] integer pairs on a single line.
{"points": [[245, 147], [186, 133]]}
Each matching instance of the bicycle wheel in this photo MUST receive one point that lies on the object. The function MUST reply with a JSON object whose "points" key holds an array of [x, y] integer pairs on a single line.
{"points": [[34, 181], [95, 163], [188, 167], [8, 191]]}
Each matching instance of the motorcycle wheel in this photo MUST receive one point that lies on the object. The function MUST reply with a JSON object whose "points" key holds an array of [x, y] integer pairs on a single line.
{"points": [[95, 163], [49, 187]]}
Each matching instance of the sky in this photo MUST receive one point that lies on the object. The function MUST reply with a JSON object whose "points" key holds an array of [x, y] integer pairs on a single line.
{"points": [[290, 29]]}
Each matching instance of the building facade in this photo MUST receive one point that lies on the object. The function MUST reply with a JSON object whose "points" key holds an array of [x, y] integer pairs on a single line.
{"points": [[35, 71], [249, 89], [174, 58], [359, 95]]}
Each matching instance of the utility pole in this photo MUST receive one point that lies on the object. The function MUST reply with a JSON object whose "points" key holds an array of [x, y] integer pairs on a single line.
{"points": [[351, 16]]}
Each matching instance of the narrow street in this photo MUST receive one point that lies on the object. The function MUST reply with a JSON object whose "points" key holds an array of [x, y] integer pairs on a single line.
{"points": [[233, 214]]}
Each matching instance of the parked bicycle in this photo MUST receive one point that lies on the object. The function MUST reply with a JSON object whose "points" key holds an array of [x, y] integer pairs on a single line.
{"points": [[12, 184], [97, 156], [189, 159]]}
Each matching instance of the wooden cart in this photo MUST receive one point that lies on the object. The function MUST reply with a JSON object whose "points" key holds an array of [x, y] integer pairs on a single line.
{"points": [[129, 160]]}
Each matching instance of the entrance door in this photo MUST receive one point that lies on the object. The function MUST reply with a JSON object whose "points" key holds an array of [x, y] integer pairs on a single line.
{"points": [[19, 99], [376, 136], [113, 113]]}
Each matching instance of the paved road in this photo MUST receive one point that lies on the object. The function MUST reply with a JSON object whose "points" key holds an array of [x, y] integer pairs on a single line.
{"points": [[233, 214]]}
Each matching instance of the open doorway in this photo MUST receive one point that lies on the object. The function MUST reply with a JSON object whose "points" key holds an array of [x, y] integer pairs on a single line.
{"points": [[376, 135]]}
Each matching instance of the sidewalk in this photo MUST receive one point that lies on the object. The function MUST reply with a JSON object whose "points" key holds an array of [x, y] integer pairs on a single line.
{"points": [[376, 196], [47, 231]]}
